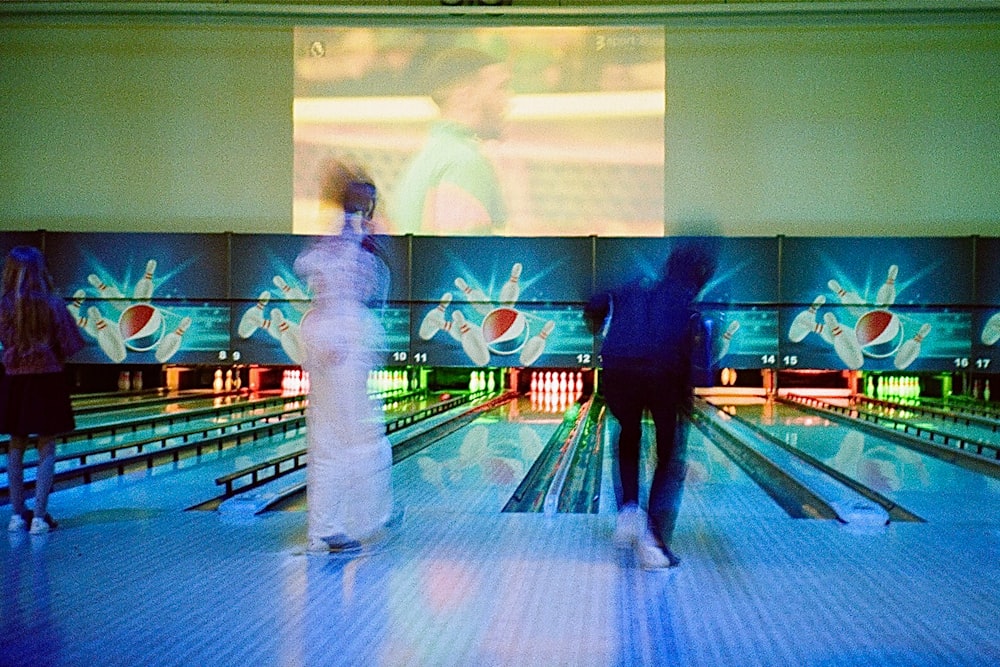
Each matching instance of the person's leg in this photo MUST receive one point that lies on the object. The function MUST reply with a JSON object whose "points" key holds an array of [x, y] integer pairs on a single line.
{"points": [[625, 404], [15, 477], [668, 478], [43, 476]]}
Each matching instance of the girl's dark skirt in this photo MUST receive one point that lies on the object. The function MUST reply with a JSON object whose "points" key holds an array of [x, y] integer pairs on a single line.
{"points": [[35, 404]]}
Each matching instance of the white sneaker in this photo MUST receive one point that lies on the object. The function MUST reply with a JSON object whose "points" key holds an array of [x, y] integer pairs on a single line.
{"points": [[629, 525], [39, 526], [649, 553], [17, 523]]}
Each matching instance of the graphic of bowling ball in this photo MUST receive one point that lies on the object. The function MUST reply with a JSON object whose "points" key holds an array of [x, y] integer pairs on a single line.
{"points": [[880, 333], [141, 326], [505, 330]]}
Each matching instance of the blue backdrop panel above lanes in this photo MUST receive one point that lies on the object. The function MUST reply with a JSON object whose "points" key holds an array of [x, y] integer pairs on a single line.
{"points": [[269, 299], [533, 318], [740, 300], [147, 298], [899, 303], [986, 318]]}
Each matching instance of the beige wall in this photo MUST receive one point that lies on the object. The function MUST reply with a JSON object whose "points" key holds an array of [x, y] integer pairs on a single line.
{"points": [[796, 127]]}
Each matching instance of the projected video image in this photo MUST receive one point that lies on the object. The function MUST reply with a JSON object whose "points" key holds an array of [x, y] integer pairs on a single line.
{"points": [[876, 304], [144, 298], [514, 131]]}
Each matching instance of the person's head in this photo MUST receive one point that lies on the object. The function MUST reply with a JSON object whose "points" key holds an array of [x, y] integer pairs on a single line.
{"points": [[25, 273], [348, 187], [26, 287], [692, 263], [472, 88]]}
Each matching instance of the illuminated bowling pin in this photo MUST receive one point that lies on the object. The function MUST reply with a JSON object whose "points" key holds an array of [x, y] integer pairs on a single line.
{"points": [[296, 296], [727, 338], [74, 307], [853, 302], [288, 336], [434, 320], [477, 298], [536, 344], [991, 331], [217, 382], [886, 295], [143, 289], [845, 343], [910, 350], [228, 383], [172, 341], [511, 289], [805, 321], [254, 318], [491, 383], [108, 291], [108, 337], [986, 391], [472, 339]]}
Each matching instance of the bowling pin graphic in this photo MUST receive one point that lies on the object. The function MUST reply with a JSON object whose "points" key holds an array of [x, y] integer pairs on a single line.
{"points": [[74, 307], [108, 291], [108, 336], [511, 289], [805, 321], [172, 341], [824, 332], [845, 343], [477, 298], [855, 305], [727, 338], [434, 320], [472, 339], [288, 335], [910, 350], [143, 289], [253, 319], [536, 344], [295, 296], [991, 331], [886, 295]]}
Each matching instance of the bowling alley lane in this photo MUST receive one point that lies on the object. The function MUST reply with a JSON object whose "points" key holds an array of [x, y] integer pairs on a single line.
{"points": [[935, 490]]}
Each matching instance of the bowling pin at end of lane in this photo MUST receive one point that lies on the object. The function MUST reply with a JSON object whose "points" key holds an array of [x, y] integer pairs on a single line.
{"points": [[845, 342], [910, 350]]}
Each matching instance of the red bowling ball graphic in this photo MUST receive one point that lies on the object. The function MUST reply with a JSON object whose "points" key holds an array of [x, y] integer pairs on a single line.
{"points": [[505, 330], [880, 333], [141, 326]]}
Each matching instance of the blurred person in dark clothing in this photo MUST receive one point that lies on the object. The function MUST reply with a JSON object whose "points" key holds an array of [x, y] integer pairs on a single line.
{"points": [[655, 343]]}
